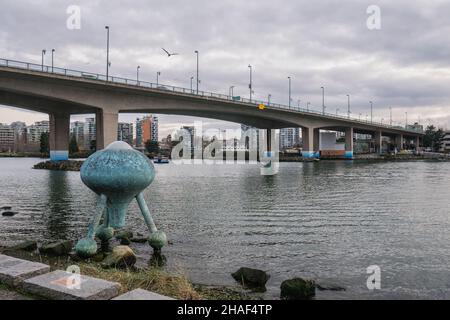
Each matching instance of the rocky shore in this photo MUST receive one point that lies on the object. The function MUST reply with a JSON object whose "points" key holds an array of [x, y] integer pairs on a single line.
{"points": [[69, 165], [117, 264]]}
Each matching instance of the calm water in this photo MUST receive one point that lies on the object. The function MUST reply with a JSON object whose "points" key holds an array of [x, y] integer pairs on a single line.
{"points": [[328, 221]]}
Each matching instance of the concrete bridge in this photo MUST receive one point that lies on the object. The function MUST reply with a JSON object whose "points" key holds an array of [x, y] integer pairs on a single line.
{"points": [[63, 92]]}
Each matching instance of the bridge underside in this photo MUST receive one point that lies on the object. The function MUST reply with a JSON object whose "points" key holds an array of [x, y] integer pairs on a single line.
{"points": [[61, 96]]}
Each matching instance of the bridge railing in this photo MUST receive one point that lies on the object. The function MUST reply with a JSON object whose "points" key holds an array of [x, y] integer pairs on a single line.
{"points": [[169, 88]]}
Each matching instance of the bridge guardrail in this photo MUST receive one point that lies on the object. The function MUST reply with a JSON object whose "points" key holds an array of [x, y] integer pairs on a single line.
{"points": [[134, 82]]}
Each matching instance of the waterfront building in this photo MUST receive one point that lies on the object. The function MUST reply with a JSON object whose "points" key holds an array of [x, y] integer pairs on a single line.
{"points": [[416, 127], [77, 131], [7, 138], [125, 132], [89, 132], [445, 146], [146, 129], [35, 131], [289, 138]]}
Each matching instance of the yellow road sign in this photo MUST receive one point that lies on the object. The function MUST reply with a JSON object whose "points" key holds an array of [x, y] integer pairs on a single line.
{"points": [[261, 107]]}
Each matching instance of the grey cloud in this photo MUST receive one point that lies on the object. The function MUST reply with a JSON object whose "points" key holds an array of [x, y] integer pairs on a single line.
{"points": [[404, 65]]}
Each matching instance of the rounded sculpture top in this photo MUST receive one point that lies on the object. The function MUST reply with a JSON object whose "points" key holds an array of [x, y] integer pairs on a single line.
{"points": [[117, 169]]}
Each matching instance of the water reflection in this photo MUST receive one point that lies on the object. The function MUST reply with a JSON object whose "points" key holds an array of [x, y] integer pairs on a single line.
{"points": [[58, 204], [328, 220]]}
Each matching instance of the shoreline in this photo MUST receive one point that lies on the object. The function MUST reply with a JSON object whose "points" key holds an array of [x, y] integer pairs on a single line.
{"points": [[75, 165], [172, 284]]}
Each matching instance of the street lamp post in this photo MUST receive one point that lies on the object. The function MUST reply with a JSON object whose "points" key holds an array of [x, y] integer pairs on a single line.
{"points": [[157, 78], [307, 106], [406, 119], [231, 92], [137, 74], [250, 86], [390, 115], [107, 53], [323, 99], [43, 54], [371, 111], [348, 106], [298, 103], [53, 54], [192, 88], [198, 81], [290, 99], [268, 99]]}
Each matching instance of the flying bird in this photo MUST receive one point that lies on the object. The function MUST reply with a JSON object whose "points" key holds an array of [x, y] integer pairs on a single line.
{"points": [[168, 53]]}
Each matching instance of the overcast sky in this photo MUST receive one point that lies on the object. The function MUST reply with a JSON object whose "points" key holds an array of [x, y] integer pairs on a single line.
{"points": [[405, 64]]}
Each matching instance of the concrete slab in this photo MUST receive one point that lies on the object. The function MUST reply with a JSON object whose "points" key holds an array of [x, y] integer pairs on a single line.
{"points": [[14, 271], [61, 285], [140, 294]]}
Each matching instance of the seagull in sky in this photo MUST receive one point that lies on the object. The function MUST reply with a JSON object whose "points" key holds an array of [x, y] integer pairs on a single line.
{"points": [[168, 53]]}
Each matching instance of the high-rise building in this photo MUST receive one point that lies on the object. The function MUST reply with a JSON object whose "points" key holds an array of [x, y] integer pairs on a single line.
{"points": [[20, 135], [77, 131], [289, 137], [89, 132], [125, 132], [6, 137], [35, 131], [154, 129], [146, 129]]}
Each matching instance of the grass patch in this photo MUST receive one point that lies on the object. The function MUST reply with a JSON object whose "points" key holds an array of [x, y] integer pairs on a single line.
{"points": [[173, 285]]}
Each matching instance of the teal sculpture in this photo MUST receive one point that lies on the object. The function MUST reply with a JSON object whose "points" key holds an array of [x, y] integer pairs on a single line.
{"points": [[117, 174]]}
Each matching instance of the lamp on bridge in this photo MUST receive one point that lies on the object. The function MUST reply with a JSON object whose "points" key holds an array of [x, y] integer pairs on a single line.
{"points": [[117, 174], [43, 54]]}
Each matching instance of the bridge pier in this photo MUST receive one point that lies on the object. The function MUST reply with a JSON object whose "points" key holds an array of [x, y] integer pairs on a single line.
{"points": [[349, 143], [106, 128], [59, 136], [378, 139], [399, 142], [417, 143], [311, 138]]}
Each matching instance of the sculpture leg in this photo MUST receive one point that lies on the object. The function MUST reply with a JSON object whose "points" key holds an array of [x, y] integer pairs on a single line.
{"points": [[87, 247], [157, 238], [105, 232]]}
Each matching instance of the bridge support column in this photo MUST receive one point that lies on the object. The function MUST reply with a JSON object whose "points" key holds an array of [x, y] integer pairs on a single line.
{"points": [[59, 137], [106, 128], [378, 139], [349, 143], [399, 142], [418, 144], [311, 140]]}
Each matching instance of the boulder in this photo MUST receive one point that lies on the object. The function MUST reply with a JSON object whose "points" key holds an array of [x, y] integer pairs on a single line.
{"points": [[120, 257], [124, 236], [9, 214], [251, 278], [120, 234], [139, 239], [24, 246], [297, 289], [325, 286], [60, 248]]}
